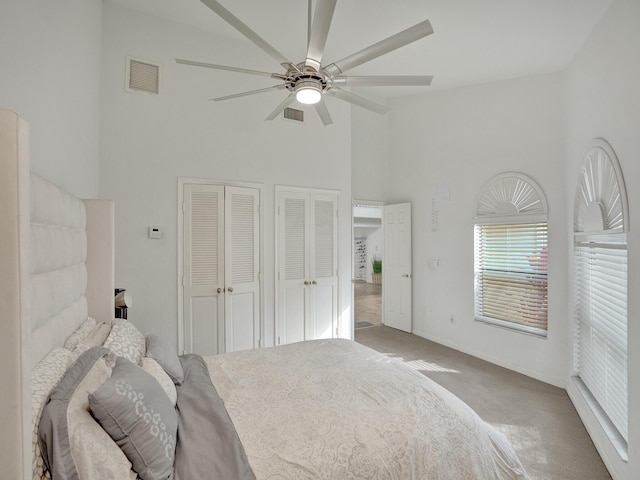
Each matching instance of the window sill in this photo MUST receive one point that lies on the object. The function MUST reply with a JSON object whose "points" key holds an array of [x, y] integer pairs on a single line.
{"points": [[514, 327], [617, 441]]}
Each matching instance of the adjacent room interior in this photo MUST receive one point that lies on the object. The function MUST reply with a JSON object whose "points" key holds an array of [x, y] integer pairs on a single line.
{"points": [[532, 98], [367, 265]]}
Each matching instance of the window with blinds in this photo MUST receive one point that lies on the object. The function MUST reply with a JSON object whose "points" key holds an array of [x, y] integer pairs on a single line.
{"points": [[601, 325], [600, 225], [511, 275]]}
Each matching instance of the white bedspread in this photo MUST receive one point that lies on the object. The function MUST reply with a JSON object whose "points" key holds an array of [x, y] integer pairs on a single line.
{"points": [[335, 409]]}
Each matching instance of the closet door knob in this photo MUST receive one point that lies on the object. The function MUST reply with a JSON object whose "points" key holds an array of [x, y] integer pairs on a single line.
{"points": [[219, 290], [314, 283], [230, 289], [306, 282]]}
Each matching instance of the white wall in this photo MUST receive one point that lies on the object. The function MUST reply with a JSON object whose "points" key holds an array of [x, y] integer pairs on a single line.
{"points": [[50, 75], [603, 100], [445, 146], [150, 141], [369, 152]]}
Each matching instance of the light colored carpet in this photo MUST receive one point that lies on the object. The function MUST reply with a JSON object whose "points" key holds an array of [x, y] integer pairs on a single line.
{"points": [[538, 419], [368, 302]]}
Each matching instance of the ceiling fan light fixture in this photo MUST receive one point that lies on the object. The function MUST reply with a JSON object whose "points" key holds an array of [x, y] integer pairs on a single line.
{"points": [[308, 92]]}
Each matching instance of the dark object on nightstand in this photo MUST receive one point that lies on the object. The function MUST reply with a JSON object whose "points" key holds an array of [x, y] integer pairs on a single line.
{"points": [[120, 303]]}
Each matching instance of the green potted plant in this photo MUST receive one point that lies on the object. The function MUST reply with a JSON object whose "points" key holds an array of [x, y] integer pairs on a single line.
{"points": [[376, 270]]}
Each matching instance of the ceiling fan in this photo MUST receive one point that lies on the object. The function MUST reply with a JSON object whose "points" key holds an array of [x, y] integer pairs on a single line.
{"points": [[308, 81]]}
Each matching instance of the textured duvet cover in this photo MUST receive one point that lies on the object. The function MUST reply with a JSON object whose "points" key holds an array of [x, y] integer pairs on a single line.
{"points": [[334, 409]]}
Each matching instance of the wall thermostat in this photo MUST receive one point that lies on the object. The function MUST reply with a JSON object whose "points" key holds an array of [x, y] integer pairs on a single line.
{"points": [[155, 233]]}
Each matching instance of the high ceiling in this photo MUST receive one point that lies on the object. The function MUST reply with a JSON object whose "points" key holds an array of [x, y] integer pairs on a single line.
{"points": [[475, 41]]}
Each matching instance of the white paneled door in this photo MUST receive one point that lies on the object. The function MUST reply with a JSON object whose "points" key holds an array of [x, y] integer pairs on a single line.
{"points": [[221, 277], [396, 269], [307, 277]]}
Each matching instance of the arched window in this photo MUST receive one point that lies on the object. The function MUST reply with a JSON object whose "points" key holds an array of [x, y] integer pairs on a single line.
{"points": [[511, 254], [600, 224]]}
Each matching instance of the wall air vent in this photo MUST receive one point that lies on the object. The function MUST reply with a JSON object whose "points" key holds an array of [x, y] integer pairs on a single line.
{"points": [[142, 76], [294, 114]]}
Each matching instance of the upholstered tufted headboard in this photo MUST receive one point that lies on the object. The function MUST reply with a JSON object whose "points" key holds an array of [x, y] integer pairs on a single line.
{"points": [[56, 268]]}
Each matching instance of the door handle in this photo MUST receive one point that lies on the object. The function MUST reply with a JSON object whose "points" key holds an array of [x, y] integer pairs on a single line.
{"points": [[219, 290], [306, 282], [314, 283], [230, 289], [407, 275]]}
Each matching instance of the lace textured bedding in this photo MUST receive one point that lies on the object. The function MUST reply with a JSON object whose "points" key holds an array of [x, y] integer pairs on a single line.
{"points": [[335, 409], [324, 409]]}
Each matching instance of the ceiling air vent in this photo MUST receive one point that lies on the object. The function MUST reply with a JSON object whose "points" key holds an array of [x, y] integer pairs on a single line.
{"points": [[142, 76], [294, 114]]}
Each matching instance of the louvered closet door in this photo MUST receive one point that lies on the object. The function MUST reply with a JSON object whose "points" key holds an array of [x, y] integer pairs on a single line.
{"points": [[293, 271], [221, 277], [242, 297], [307, 266], [203, 306], [323, 263]]}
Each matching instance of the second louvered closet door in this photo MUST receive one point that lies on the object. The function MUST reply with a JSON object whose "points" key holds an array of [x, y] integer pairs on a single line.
{"points": [[307, 279], [221, 268]]}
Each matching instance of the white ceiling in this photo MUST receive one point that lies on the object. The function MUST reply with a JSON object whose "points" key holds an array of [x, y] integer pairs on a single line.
{"points": [[475, 41]]}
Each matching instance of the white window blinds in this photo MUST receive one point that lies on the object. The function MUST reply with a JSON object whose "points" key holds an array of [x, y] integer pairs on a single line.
{"points": [[511, 275], [600, 224], [601, 326]]}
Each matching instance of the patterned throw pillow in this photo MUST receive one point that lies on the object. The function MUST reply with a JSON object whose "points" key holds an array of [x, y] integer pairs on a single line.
{"points": [[44, 376], [134, 410], [125, 340], [80, 333], [95, 338]]}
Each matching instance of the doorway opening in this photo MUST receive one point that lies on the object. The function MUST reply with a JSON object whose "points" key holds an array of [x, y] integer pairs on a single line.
{"points": [[368, 248]]}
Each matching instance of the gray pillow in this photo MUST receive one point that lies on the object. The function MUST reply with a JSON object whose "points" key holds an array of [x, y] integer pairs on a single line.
{"points": [[163, 353], [54, 428], [134, 410]]}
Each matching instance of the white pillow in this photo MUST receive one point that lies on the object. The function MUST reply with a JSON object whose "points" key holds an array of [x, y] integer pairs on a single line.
{"points": [[44, 376], [80, 333], [95, 338], [154, 369], [125, 340]]}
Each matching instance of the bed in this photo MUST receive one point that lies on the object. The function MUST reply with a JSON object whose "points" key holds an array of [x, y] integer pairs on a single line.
{"points": [[95, 398]]}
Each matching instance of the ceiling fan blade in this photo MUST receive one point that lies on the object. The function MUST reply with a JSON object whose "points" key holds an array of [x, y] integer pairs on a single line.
{"points": [[319, 33], [285, 103], [230, 69], [236, 23], [250, 92], [376, 50], [323, 113], [357, 100], [384, 81]]}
